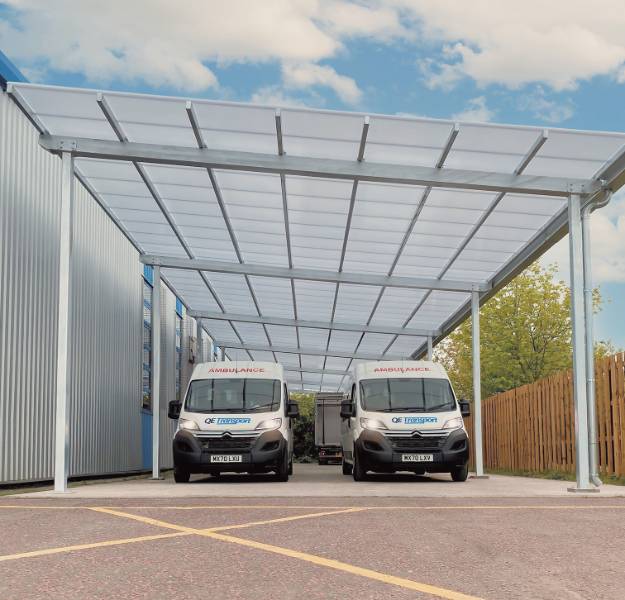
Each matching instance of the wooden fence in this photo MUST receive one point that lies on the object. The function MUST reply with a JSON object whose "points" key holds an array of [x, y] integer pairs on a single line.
{"points": [[531, 428]]}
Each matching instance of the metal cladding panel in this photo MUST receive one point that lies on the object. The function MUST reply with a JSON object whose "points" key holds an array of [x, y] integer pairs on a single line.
{"points": [[106, 322]]}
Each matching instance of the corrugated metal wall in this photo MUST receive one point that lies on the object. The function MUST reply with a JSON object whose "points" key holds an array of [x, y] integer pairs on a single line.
{"points": [[106, 325]]}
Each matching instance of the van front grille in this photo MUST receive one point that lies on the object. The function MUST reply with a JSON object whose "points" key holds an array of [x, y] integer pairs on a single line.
{"points": [[414, 443], [219, 444]]}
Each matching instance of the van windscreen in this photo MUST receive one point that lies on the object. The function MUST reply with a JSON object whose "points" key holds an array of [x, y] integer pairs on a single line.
{"points": [[407, 395], [240, 395]]}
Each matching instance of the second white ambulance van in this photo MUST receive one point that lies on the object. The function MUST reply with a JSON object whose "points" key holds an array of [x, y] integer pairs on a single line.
{"points": [[235, 417], [403, 416]]}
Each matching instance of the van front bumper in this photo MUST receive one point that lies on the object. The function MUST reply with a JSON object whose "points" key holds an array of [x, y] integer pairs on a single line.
{"points": [[259, 453], [382, 453]]}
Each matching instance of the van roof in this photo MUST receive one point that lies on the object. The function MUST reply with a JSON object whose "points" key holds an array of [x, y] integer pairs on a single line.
{"points": [[401, 368], [250, 369]]}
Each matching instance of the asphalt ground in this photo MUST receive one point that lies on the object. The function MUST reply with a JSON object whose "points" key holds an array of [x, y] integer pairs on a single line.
{"points": [[365, 547]]}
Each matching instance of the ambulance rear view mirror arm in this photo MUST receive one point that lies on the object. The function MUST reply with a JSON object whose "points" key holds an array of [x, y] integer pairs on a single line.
{"points": [[347, 409], [174, 408], [465, 408]]}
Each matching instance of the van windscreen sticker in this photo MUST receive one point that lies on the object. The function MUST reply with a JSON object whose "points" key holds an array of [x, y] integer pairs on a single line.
{"points": [[228, 421], [401, 369], [236, 370]]}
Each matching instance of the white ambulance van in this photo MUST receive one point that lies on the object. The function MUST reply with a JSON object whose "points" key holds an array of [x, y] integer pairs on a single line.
{"points": [[235, 417], [403, 416]]}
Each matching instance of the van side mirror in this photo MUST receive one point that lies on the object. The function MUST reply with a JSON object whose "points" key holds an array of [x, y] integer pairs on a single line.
{"points": [[174, 408], [465, 408], [292, 410], [347, 409]]}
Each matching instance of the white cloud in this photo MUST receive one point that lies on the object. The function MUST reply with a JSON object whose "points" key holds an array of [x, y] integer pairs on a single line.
{"points": [[308, 75], [545, 109], [607, 232], [161, 42], [558, 43], [275, 95], [476, 111]]}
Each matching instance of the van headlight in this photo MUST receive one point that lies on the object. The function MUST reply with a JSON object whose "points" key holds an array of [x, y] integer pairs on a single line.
{"points": [[454, 423], [367, 423], [270, 424], [187, 424]]}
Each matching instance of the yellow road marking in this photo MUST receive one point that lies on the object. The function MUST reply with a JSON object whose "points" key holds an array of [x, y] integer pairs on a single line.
{"points": [[159, 523], [341, 566], [62, 549], [142, 519]]}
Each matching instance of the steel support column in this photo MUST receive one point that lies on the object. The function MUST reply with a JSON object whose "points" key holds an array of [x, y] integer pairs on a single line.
{"points": [[593, 444], [477, 384], [61, 442], [578, 320], [222, 353], [430, 348], [199, 340], [156, 372]]}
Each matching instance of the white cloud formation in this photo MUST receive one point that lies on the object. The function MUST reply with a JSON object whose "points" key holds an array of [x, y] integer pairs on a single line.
{"points": [[161, 42], [164, 43], [559, 43], [476, 111], [308, 75], [544, 108], [607, 232]]}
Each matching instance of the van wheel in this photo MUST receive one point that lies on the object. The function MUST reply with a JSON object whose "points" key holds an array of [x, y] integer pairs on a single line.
{"points": [[460, 473], [291, 467], [347, 468], [181, 475], [359, 473], [282, 473]]}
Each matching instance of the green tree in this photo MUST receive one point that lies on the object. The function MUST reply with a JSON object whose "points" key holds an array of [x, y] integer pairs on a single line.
{"points": [[525, 332], [304, 427]]}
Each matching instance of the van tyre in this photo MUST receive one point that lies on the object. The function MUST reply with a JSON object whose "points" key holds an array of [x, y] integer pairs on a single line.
{"points": [[347, 468], [291, 467], [282, 473], [181, 475], [460, 473], [359, 473]]}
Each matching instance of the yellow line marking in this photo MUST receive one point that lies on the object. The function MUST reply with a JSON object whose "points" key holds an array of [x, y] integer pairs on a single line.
{"points": [[142, 519], [48, 551], [341, 566], [159, 523], [284, 519]]}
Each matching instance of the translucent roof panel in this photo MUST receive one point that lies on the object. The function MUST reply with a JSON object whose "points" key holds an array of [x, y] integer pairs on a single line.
{"points": [[301, 264]]}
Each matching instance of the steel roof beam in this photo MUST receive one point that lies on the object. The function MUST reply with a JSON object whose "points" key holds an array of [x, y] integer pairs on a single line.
{"points": [[310, 324], [308, 351], [215, 266], [321, 371], [319, 167]]}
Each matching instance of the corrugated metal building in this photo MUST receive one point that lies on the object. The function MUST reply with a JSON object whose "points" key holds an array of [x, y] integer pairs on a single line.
{"points": [[107, 435]]}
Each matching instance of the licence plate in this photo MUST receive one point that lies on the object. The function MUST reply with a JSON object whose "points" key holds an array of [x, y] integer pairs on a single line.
{"points": [[226, 458], [417, 457]]}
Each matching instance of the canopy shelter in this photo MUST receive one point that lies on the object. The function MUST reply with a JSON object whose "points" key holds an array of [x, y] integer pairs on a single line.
{"points": [[319, 238]]}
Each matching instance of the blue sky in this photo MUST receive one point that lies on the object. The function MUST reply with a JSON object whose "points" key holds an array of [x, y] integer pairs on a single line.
{"points": [[557, 64]]}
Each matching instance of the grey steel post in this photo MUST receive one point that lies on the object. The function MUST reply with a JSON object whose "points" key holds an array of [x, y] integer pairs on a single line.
{"points": [[477, 383], [61, 442], [578, 320], [593, 444], [222, 353], [199, 340], [156, 372], [430, 349], [211, 350]]}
